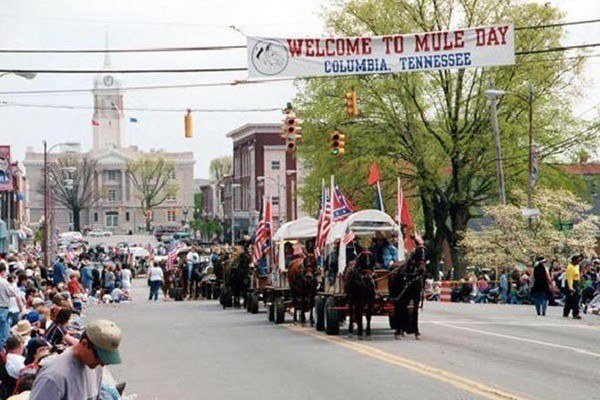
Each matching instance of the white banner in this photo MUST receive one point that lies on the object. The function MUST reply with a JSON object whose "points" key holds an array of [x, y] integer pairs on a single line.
{"points": [[462, 48]]}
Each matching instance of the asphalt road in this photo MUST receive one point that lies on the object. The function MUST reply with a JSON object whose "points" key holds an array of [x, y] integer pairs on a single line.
{"points": [[195, 350]]}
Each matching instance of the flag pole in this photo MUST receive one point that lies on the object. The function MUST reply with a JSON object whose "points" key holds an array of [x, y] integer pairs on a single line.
{"points": [[399, 201], [380, 197]]}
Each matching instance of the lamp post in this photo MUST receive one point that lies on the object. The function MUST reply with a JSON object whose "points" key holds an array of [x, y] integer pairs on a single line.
{"points": [[46, 196], [493, 95], [233, 186]]}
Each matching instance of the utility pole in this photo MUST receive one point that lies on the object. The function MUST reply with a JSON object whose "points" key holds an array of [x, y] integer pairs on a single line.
{"points": [[46, 247], [497, 145], [529, 180]]}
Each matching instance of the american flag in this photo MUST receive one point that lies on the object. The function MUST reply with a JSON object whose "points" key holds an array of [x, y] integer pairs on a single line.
{"points": [[342, 208], [172, 255], [262, 236], [348, 238], [323, 221]]}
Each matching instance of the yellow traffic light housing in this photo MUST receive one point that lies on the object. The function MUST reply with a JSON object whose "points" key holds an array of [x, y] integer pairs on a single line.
{"points": [[187, 121], [351, 104], [291, 131], [337, 143]]}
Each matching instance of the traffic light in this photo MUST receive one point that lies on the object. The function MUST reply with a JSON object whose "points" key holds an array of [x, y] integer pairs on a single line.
{"points": [[351, 104], [337, 143], [187, 120], [291, 131]]}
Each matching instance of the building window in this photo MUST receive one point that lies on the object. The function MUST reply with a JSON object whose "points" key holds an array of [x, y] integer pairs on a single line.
{"points": [[112, 219], [127, 216], [275, 200], [95, 217], [172, 174], [112, 195], [171, 198], [171, 215], [112, 175], [275, 164]]}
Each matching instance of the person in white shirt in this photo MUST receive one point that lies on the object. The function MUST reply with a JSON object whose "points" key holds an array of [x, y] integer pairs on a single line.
{"points": [[14, 356], [126, 278], [13, 306], [155, 278]]}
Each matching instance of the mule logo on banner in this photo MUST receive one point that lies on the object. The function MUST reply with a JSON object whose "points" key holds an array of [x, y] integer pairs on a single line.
{"points": [[461, 48]]}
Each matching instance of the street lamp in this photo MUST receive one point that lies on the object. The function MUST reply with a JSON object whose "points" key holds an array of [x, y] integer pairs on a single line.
{"points": [[233, 186], [529, 99], [46, 196]]}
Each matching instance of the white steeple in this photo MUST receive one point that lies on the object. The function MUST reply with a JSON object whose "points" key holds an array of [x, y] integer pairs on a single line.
{"points": [[108, 118]]}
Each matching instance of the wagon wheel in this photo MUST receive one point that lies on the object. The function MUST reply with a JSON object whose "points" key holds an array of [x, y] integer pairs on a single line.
{"points": [[332, 322], [320, 313]]}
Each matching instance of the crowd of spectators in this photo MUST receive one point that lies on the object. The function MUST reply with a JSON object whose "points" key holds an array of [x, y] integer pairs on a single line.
{"points": [[538, 282], [41, 318]]}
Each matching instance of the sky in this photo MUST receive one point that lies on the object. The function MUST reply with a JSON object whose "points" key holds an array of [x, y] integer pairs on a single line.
{"points": [[151, 23]]}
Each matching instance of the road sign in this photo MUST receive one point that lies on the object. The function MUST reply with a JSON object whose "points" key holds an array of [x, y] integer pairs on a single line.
{"points": [[530, 212]]}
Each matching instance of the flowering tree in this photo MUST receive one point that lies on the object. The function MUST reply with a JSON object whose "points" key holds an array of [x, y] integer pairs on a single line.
{"points": [[562, 228]]}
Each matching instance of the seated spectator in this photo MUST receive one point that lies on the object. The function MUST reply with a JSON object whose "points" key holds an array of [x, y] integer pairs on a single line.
{"points": [[58, 334], [36, 349], [14, 356], [23, 329]]}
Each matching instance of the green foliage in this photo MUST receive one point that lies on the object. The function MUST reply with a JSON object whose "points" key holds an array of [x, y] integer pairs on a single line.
{"points": [[432, 128], [510, 239]]}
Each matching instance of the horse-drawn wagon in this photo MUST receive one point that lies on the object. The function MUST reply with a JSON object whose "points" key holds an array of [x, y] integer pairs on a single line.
{"points": [[276, 293], [349, 291]]}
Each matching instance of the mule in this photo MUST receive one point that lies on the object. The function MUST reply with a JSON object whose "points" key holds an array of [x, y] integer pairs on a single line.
{"points": [[303, 286], [406, 288], [237, 278], [360, 292]]}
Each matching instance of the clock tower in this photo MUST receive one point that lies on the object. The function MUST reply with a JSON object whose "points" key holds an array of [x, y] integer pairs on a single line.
{"points": [[108, 118]]}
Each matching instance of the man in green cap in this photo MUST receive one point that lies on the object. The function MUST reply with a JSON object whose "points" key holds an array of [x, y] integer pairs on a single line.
{"points": [[77, 373]]}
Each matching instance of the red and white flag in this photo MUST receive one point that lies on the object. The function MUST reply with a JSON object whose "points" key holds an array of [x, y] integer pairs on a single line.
{"points": [[348, 238], [404, 219], [172, 255], [262, 235]]}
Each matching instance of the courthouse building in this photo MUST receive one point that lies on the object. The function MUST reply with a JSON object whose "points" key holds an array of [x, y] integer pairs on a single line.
{"points": [[118, 208]]}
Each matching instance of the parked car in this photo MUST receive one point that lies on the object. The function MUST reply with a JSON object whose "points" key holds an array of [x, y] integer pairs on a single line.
{"points": [[99, 233], [70, 236]]}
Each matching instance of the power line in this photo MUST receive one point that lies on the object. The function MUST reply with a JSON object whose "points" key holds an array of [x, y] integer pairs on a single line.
{"points": [[555, 49], [122, 71], [275, 80], [558, 24], [141, 109], [228, 69], [223, 47], [139, 50]]}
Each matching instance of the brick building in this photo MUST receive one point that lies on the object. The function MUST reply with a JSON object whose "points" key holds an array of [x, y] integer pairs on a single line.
{"points": [[262, 168]]}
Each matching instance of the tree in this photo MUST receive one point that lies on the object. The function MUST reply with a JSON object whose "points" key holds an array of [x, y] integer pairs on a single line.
{"points": [[220, 167], [432, 128], [563, 227], [72, 184], [152, 177]]}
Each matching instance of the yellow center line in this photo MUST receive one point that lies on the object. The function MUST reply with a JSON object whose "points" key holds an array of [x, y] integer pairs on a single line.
{"points": [[466, 384]]}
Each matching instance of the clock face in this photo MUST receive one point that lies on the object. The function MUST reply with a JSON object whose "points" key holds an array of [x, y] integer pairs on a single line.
{"points": [[108, 80]]}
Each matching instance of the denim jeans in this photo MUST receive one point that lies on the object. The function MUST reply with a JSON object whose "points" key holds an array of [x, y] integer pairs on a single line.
{"points": [[154, 287], [541, 303], [13, 318], [3, 326]]}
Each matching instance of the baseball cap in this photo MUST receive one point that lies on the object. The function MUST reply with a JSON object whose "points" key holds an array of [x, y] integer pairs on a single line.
{"points": [[105, 336]]}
